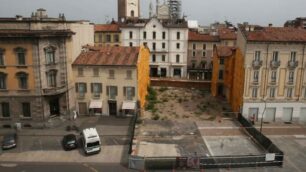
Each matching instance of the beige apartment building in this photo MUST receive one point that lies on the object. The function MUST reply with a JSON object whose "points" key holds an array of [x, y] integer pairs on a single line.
{"points": [[107, 34], [111, 80], [35, 66], [275, 80]]}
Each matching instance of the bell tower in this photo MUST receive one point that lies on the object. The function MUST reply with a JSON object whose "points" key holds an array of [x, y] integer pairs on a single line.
{"points": [[128, 9]]}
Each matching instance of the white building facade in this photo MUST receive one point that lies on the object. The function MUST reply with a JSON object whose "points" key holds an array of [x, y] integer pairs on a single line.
{"points": [[167, 41]]}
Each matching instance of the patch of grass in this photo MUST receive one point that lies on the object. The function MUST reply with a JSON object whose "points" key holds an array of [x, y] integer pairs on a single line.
{"points": [[164, 99], [151, 99]]}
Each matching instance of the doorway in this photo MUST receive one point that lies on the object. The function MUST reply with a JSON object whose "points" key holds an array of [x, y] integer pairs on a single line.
{"points": [[112, 106], [54, 106], [154, 72], [163, 72], [220, 90]]}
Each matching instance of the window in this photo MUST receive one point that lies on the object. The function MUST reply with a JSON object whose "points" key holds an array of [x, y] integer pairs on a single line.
{"points": [[131, 35], [289, 92], [177, 58], [2, 80], [177, 45], [100, 38], [1, 57], [5, 110], [51, 78], [164, 35], [111, 74], [129, 92], [80, 71], [193, 53], [112, 92], [131, 44], [256, 76], [116, 38], [204, 46], [108, 38], [128, 74], [163, 58], [96, 72], [204, 54], [154, 35], [23, 80], [163, 45], [275, 56], [193, 65], [273, 76], [20, 52], [194, 46], [254, 92], [144, 35], [50, 59], [293, 56], [26, 110], [178, 35], [203, 64], [154, 46], [153, 58], [81, 88], [257, 55], [272, 92], [221, 61], [132, 13], [221, 74], [96, 89], [291, 76]]}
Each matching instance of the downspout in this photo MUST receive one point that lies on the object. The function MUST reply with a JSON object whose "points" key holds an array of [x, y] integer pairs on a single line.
{"points": [[66, 78]]}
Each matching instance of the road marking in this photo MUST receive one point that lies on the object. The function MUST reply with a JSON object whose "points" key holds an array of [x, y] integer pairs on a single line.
{"points": [[91, 168], [8, 165]]}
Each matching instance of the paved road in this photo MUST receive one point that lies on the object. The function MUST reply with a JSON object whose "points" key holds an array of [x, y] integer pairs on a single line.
{"points": [[62, 167]]}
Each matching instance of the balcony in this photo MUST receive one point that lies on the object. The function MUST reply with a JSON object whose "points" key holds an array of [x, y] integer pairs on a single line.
{"points": [[292, 64], [255, 82], [290, 82], [54, 91], [257, 64], [274, 64], [272, 81]]}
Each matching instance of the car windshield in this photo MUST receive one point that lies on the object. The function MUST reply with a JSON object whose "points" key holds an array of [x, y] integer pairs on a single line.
{"points": [[97, 143]]}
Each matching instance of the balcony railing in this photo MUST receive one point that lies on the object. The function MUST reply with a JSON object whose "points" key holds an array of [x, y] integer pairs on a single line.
{"points": [[290, 82], [257, 64], [292, 64], [274, 64]]}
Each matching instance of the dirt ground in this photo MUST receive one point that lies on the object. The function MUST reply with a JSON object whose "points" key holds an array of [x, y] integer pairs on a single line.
{"points": [[186, 103]]}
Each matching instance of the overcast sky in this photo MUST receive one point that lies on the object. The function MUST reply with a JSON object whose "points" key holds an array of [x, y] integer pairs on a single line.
{"points": [[205, 11]]}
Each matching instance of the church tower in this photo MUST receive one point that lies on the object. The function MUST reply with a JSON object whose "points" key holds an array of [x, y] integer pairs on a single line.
{"points": [[128, 9]]}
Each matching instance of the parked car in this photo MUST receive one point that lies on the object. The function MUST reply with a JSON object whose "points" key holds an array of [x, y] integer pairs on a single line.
{"points": [[9, 141], [70, 142]]}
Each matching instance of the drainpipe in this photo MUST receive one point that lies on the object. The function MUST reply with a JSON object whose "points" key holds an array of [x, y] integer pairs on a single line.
{"points": [[66, 78], [265, 84]]}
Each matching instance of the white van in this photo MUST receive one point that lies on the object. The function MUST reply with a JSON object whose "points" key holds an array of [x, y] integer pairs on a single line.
{"points": [[91, 141]]}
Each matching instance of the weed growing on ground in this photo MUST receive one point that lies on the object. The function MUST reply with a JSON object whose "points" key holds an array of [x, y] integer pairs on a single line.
{"points": [[163, 89]]}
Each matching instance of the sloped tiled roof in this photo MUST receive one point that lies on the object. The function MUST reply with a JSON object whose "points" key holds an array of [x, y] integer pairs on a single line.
{"points": [[196, 36], [108, 56], [224, 51], [276, 34], [227, 34], [107, 28]]}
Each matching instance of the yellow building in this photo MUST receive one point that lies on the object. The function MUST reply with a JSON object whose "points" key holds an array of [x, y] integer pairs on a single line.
{"points": [[107, 35], [111, 80], [274, 65]]}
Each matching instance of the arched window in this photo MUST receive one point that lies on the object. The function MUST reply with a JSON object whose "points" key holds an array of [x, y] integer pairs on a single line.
{"points": [[51, 78], [20, 56], [3, 80], [50, 55], [1, 57], [132, 13]]}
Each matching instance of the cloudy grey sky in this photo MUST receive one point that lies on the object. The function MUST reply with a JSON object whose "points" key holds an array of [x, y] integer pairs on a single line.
{"points": [[205, 11]]}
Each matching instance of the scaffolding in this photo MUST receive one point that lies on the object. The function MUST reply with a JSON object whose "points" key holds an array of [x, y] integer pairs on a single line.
{"points": [[175, 8]]}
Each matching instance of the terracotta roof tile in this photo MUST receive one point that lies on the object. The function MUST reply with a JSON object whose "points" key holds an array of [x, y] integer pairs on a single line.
{"points": [[276, 34], [196, 36], [227, 34], [225, 51], [34, 33], [107, 28], [108, 56]]}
